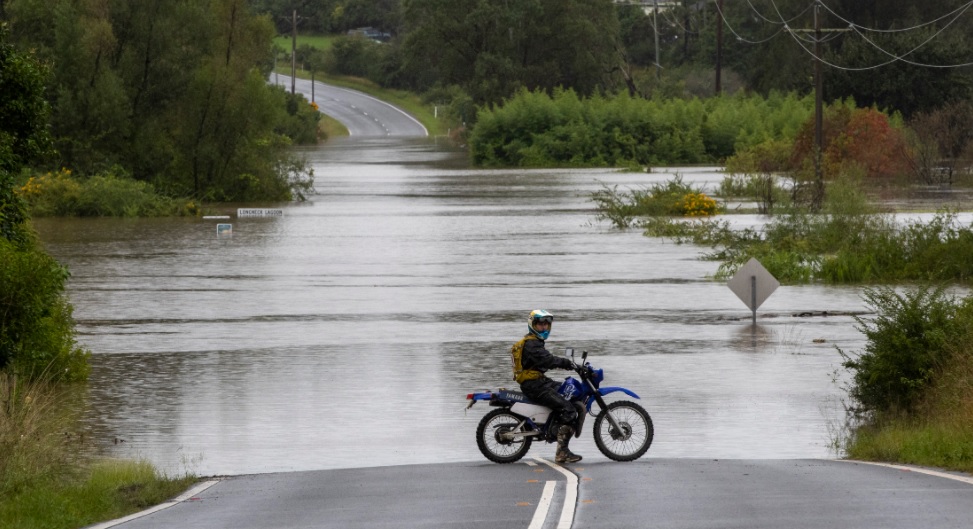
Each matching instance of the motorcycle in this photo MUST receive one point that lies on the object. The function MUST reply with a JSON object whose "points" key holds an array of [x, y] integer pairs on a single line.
{"points": [[623, 430]]}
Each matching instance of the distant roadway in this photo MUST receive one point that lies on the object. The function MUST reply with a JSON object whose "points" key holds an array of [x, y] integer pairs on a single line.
{"points": [[362, 114], [536, 494]]}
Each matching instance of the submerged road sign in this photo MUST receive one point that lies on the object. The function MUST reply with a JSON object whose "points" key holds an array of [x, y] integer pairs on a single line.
{"points": [[259, 212], [753, 284]]}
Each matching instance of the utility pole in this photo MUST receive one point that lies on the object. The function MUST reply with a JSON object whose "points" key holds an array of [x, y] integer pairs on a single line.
{"points": [[817, 198], [818, 114], [719, 50], [655, 26], [294, 53]]}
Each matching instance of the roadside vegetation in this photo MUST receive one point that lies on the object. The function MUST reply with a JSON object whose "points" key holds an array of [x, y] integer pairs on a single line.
{"points": [[50, 477], [172, 99], [59, 194], [912, 386]]}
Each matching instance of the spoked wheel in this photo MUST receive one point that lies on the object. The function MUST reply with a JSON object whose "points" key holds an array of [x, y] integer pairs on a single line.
{"points": [[493, 441], [633, 436]]}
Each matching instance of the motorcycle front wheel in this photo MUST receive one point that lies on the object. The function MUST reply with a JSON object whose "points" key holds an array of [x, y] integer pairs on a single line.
{"points": [[492, 443], [632, 437]]}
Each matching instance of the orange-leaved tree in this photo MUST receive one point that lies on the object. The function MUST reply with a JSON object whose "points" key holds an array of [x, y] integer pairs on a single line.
{"points": [[862, 137]]}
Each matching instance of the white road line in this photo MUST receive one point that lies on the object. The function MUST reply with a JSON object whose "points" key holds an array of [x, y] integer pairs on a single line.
{"points": [[920, 470], [570, 495], [543, 506], [185, 496], [530, 463]]}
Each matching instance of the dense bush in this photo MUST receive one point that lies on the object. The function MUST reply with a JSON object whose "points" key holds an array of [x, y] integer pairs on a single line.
{"points": [[537, 129], [301, 122], [356, 56], [36, 329], [908, 341], [105, 195]]}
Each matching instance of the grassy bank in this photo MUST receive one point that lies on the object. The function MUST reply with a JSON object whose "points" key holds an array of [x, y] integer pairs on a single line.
{"points": [[331, 128], [50, 480], [320, 42]]}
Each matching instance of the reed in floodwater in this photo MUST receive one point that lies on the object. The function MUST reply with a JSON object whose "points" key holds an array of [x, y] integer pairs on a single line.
{"points": [[847, 242]]}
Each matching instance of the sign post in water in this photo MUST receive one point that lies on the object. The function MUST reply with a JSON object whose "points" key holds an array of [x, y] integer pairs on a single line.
{"points": [[753, 284]]}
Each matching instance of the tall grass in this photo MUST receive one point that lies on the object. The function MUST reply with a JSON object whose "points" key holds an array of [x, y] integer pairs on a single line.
{"points": [[48, 475], [34, 434]]}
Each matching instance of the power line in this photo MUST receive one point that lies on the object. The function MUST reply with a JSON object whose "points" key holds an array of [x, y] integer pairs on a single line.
{"points": [[761, 15], [672, 20], [876, 30], [741, 38], [894, 57]]}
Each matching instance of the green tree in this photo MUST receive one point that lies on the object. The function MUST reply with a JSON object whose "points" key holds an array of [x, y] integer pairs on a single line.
{"points": [[36, 330], [23, 132], [172, 91], [492, 49]]}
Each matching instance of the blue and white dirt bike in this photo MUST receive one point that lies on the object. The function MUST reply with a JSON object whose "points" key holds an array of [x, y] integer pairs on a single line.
{"points": [[623, 429]]}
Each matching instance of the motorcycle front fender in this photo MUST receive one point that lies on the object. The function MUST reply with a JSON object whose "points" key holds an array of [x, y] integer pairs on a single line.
{"points": [[613, 389]]}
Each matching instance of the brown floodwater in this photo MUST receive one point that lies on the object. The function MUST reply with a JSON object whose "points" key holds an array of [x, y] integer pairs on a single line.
{"points": [[348, 332]]}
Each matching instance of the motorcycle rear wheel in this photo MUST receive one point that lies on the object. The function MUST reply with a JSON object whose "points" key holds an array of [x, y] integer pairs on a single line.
{"points": [[490, 443], [635, 434]]}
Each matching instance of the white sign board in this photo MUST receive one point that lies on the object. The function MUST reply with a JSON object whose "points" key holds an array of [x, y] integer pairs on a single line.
{"points": [[753, 284], [259, 212]]}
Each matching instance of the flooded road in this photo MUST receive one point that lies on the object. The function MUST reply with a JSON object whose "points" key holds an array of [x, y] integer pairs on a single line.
{"points": [[348, 332]]}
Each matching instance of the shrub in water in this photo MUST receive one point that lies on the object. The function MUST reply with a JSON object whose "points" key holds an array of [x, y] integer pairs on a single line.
{"points": [[105, 195], [907, 339], [696, 205]]}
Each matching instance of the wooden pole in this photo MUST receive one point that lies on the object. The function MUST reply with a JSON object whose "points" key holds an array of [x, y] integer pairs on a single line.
{"points": [[818, 114], [294, 53], [719, 50]]}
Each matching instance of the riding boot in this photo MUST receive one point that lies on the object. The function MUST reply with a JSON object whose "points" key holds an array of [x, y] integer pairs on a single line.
{"points": [[564, 455]]}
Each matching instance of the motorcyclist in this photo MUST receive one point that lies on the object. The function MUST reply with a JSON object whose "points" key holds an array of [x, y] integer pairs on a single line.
{"points": [[530, 361]]}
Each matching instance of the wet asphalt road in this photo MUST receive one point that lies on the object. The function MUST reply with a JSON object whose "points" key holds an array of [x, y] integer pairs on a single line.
{"points": [[666, 493], [361, 114]]}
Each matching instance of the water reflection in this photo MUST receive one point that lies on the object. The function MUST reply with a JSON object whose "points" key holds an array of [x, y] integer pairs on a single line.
{"points": [[348, 332]]}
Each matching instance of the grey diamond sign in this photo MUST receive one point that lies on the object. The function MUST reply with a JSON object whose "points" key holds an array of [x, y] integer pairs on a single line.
{"points": [[753, 284]]}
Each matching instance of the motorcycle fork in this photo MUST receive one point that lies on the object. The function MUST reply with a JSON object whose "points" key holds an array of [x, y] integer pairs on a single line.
{"points": [[601, 402]]}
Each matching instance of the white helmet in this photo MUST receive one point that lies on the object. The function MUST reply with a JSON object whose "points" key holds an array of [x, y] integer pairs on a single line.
{"points": [[537, 316]]}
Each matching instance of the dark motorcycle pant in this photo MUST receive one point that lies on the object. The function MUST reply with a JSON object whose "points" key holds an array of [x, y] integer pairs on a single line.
{"points": [[543, 391]]}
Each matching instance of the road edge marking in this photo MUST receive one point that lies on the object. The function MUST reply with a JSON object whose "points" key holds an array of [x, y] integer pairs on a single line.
{"points": [[177, 500], [543, 506], [929, 472], [369, 96], [570, 495]]}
